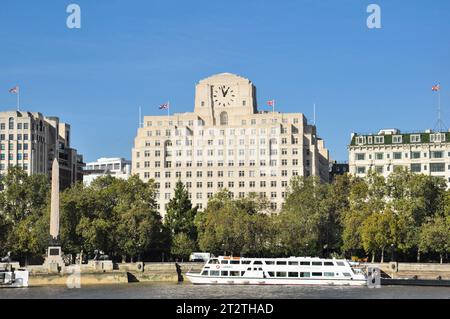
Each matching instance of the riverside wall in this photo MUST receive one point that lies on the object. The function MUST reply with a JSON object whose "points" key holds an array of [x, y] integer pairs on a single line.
{"points": [[166, 272], [121, 273]]}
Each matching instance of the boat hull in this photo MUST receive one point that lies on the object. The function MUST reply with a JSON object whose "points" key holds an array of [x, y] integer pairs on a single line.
{"points": [[208, 280]]}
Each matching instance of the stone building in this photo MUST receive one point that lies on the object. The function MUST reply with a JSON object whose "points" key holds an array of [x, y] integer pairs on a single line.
{"points": [[227, 143], [425, 152], [116, 167], [31, 141]]}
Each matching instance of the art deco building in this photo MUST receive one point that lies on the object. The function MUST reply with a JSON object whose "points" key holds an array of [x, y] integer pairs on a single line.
{"points": [[31, 141], [226, 143], [422, 152]]}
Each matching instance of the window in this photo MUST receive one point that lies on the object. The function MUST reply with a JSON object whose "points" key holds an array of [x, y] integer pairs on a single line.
{"points": [[317, 274], [415, 138], [281, 262], [293, 263], [224, 118], [305, 274], [234, 273], [415, 155], [360, 156], [11, 123], [305, 263], [328, 274], [379, 139], [437, 167], [214, 273], [360, 170], [416, 168], [293, 274], [317, 263], [437, 137], [360, 140], [379, 169], [379, 156], [397, 155], [224, 273], [340, 263], [281, 274], [437, 154], [397, 139], [328, 263]]}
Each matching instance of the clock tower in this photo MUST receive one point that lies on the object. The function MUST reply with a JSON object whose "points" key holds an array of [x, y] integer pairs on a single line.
{"points": [[224, 95]]}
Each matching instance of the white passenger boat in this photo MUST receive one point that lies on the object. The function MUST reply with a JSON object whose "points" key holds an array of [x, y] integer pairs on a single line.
{"points": [[13, 279], [278, 271]]}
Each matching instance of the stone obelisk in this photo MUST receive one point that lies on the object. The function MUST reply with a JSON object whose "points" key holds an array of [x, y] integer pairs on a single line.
{"points": [[54, 208], [54, 261]]}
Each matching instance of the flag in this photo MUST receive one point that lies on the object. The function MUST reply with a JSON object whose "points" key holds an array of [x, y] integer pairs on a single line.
{"points": [[436, 88], [14, 90], [271, 103], [164, 106]]}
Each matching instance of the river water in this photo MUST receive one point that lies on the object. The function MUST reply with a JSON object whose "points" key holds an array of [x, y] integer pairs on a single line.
{"points": [[188, 291]]}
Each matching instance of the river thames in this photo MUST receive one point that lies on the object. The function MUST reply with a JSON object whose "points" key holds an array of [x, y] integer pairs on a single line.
{"points": [[188, 291]]}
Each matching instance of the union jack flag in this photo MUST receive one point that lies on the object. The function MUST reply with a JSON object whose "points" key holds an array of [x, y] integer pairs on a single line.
{"points": [[436, 88], [14, 90], [164, 106]]}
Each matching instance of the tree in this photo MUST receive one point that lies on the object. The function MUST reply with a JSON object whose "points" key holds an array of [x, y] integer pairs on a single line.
{"points": [[180, 216], [23, 203], [377, 232], [303, 218], [435, 236], [182, 246]]}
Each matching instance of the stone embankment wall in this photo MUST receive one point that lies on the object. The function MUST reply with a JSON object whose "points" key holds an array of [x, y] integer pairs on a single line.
{"points": [[409, 270], [122, 273]]}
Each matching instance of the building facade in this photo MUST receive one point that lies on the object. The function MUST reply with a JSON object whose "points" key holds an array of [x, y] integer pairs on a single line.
{"points": [[226, 143], [338, 168], [425, 152], [31, 141], [116, 167]]}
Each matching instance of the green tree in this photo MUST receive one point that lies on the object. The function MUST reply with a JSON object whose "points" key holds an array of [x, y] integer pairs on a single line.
{"points": [[23, 203], [182, 246], [435, 236], [180, 216], [303, 218]]}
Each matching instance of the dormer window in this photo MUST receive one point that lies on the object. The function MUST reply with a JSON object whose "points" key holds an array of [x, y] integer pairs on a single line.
{"points": [[379, 139], [437, 138], [415, 138], [360, 140], [397, 139]]}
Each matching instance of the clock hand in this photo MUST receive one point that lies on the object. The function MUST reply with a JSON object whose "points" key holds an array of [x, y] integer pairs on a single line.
{"points": [[226, 93]]}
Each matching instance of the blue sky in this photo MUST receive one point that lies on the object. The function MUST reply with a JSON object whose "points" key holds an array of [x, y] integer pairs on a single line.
{"points": [[143, 53]]}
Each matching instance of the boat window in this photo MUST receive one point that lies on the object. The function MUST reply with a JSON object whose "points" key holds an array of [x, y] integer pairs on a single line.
{"points": [[305, 274], [234, 262], [293, 274], [224, 262], [346, 274], [281, 274], [249, 269], [328, 263], [270, 262], [293, 263], [214, 273], [242, 273], [328, 274], [224, 273], [205, 273], [260, 269], [257, 262], [213, 261], [281, 263], [317, 263], [305, 263], [340, 263], [246, 262], [234, 273], [271, 273], [317, 274]]}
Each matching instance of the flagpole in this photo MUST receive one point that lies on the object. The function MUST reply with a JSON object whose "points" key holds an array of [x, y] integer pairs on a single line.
{"points": [[18, 99], [314, 110], [140, 117]]}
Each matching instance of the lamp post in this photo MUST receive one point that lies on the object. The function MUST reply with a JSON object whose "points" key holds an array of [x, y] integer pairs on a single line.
{"points": [[392, 252]]}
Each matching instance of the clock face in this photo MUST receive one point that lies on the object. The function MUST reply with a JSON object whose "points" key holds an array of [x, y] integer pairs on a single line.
{"points": [[223, 95]]}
